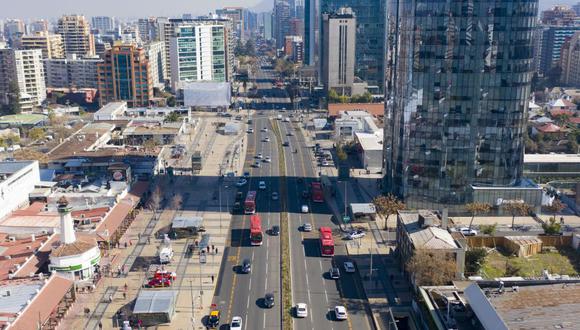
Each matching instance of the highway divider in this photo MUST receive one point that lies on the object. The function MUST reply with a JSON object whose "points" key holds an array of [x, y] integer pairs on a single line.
{"points": [[285, 273]]}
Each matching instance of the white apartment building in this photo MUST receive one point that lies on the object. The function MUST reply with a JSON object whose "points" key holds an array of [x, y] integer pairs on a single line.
{"points": [[155, 52], [198, 53], [25, 67], [50, 44], [76, 35], [72, 72], [17, 181]]}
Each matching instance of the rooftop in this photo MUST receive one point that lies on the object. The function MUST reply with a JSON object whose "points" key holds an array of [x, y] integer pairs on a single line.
{"points": [[370, 141], [9, 168], [23, 119], [427, 236], [552, 158], [554, 306]]}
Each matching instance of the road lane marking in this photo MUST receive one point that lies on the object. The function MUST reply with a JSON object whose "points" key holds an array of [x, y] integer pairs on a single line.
{"points": [[250, 285]]}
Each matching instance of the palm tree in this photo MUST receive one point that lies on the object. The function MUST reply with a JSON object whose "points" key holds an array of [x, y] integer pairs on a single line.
{"points": [[476, 208]]}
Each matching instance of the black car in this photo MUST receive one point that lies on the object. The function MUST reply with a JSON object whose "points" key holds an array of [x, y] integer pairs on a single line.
{"points": [[246, 266], [334, 273], [269, 300], [275, 231], [286, 143]]}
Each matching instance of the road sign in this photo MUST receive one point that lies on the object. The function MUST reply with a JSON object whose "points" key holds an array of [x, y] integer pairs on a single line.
{"points": [[346, 219]]}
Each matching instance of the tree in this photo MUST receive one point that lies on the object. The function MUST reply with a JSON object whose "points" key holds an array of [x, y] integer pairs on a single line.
{"points": [[387, 205], [9, 140], [176, 201], [531, 145], [517, 209], [363, 98], [171, 101], [13, 106], [250, 48], [430, 267], [552, 227], [476, 208], [36, 133], [172, 117], [340, 153], [474, 259], [155, 199], [556, 207]]}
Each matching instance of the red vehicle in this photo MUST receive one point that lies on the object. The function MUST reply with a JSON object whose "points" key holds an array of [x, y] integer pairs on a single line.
{"points": [[255, 230], [326, 242], [159, 283], [163, 274], [316, 192], [250, 203]]}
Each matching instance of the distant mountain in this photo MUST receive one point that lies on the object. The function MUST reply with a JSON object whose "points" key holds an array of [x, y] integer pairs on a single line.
{"points": [[265, 5]]}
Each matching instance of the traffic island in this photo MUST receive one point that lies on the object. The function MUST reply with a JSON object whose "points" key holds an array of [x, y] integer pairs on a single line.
{"points": [[285, 272]]}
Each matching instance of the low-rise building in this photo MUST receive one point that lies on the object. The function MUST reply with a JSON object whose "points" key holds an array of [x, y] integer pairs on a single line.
{"points": [[425, 230], [351, 122], [17, 181], [111, 111], [552, 165]]}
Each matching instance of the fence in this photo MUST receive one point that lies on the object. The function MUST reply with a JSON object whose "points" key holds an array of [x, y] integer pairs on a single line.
{"points": [[491, 241]]}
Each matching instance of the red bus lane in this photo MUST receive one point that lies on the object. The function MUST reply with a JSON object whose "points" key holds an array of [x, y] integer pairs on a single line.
{"points": [[316, 192], [255, 230], [250, 203], [326, 242]]}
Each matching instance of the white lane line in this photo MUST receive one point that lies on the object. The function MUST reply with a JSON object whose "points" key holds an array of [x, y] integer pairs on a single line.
{"points": [[246, 317], [264, 327], [247, 305], [250, 286]]}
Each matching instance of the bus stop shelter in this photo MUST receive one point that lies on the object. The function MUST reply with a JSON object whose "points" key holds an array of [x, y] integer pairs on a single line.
{"points": [[186, 226]]}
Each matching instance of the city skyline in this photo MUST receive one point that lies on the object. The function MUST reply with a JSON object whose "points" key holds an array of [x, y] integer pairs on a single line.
{"points": [[34, 9]]}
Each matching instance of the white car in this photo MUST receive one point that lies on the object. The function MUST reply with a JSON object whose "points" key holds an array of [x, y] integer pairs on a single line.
{"points": [[349, 267], [259, 156], [340, 313], [304, 208], [356, 234], [274, 196], [250, 130], [267, 159], [242, 182], [307, 227], [236, 323], [266, 139], [262, 185], [301, 310], [468, 232], [265, 129]]}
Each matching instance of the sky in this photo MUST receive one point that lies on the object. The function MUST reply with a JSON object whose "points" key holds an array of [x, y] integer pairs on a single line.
{"points": [[30, 9]]}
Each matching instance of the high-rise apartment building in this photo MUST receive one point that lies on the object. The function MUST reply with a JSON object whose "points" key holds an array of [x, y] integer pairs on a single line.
{"points": [[559, 16], [338, 55], [50, 44], [72, 72], [76, 35], [570, 61], [265, 25], [25, 67], [312, 33], [103, 24], [281, 22], [576, 8], [294, 48], [155, 52], [197, 53], [236, 15], [296, 27], [148, 29], [458, 77], [38, 26], [553, 37], [125, 76]]}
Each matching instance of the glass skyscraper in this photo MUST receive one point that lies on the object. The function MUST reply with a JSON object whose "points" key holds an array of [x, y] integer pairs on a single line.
{"points": [[458, 79]]}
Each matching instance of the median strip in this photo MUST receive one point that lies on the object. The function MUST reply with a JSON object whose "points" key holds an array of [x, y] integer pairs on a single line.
{"points": [[286, 285]]}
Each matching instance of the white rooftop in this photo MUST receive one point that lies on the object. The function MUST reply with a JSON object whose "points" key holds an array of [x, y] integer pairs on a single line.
{"points": [[552, 158], [14, 298], [370, 141]]}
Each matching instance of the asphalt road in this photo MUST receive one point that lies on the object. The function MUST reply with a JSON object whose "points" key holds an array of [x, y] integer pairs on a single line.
{"points": [[242, 294], [311, 283]]}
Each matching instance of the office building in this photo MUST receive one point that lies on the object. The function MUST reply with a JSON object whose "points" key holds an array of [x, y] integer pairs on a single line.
{"points": [[148, 30], [72, 72], [155, 52], [198, 53], [265, 25], [50, 44], [76, 35], [338, 50], [559, 15], [553, 37], [456, 103], [25, 67], [13, 30], [294, 48], [103, 24], [570, 61], [311, 32], [281, 22], [168, 28], [576, 8], [236, 15], [296, 27], [125, 76]]}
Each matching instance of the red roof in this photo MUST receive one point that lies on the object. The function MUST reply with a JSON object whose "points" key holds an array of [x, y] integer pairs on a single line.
{"points": [[375, 109], [561, 112], [548, 128], [39, 259], [575, 120], [123, 208], [43, 304]]}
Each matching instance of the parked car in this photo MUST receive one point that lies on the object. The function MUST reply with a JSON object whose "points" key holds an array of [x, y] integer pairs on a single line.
{"points": [[159, 283], [349, 267], [355, 234], [160, 274], [467, 231]]}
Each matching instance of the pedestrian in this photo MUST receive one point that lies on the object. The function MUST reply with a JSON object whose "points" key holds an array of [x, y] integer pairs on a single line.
{"points": [[110, 298], [148, 240], [123, 269], [213, 247], [125, 244], [124, 295], [216, 250], [126, 287], [100, 325], [139, 236], [207, 248], [212, 278]]}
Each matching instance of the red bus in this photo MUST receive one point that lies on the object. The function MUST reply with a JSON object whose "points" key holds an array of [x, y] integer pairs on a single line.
{"points": [[326, 242], [250, 203], [255, 230], [316, 192]]}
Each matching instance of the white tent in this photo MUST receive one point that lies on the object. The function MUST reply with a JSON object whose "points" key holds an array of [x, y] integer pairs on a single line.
{"points": [[155, 306], [207, 94]]}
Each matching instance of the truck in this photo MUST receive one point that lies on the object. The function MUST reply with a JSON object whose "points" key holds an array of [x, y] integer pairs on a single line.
{"points": [[165, 255]]}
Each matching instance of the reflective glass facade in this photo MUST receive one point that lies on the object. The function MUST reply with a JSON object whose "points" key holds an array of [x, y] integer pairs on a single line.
{"points": [[458, 76]]}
